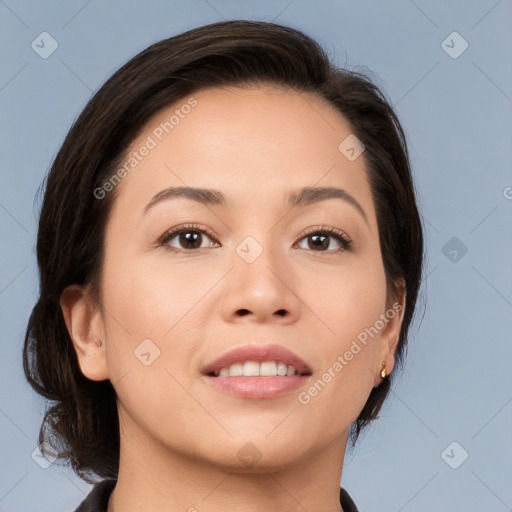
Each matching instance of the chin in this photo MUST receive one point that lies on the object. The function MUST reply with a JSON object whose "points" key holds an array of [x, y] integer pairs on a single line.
{"points": [[246, 454]]}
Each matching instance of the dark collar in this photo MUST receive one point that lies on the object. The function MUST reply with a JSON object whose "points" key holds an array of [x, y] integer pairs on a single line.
{"points": [[97, 499], [346, 502]]}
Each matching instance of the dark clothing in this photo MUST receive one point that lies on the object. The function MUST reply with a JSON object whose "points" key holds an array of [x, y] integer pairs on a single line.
{"points": [[97, 499]]}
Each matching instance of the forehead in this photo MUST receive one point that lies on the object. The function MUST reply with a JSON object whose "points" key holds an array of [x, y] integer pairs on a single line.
{"points": [[252, 142]]}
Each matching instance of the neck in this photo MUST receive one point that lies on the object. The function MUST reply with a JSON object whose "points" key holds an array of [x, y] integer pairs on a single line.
{"points": [[156, 479]]}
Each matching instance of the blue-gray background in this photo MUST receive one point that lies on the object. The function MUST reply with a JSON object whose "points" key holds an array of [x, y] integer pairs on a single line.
{"points": [[457, 113]]}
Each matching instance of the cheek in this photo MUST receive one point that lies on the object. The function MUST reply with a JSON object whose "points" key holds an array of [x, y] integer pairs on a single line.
{"points": [[150, 338], [346, 300], [350, 305], [356, 304], [156, 314], [151, 299]]}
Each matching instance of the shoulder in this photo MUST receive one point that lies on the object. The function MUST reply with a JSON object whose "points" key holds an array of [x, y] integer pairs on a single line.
{"points": [[97, 499]]}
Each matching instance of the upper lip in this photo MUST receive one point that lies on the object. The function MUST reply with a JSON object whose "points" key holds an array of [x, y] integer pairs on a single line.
{"points": [[259, 354]]}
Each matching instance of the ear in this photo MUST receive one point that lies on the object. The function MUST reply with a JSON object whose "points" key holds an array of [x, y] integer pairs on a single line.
{"points": [[86, 329], [390, 336]]}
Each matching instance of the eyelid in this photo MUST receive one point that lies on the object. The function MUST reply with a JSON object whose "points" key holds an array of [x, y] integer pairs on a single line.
{"points": [[326, 229]]}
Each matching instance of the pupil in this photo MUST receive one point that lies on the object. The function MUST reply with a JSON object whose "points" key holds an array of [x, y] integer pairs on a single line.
{"points": [[189, 239], [322, 243]]}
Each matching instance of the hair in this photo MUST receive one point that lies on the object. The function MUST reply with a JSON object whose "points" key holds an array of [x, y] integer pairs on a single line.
{"points": [[81, 424]]}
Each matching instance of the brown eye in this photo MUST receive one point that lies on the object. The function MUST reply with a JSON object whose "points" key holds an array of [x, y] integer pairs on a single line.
{"points": [[318, 241], [187, 239], [321, 240]]}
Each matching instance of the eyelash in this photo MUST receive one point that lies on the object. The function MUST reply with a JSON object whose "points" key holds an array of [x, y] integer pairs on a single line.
{"points": [[345, 242]]}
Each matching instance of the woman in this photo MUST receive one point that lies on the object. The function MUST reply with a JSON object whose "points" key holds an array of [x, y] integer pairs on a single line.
{"points": [[230, 253]]}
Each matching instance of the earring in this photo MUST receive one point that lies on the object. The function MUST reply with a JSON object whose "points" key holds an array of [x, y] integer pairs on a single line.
{"points": [[99, 343], [383, 371]]}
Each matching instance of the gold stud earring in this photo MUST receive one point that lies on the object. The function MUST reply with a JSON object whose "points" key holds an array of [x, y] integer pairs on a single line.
{"points": [[383, 371]]}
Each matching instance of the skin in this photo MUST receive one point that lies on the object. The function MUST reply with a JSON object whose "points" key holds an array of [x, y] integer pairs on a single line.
{"points": [[180, 438]]}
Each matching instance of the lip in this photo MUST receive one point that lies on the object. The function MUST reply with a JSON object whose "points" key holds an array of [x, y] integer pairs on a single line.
{"points": [[259, 354], [257, 388]]}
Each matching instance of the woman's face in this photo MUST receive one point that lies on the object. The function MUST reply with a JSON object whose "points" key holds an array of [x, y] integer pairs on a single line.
{"points": [[253, 270]]}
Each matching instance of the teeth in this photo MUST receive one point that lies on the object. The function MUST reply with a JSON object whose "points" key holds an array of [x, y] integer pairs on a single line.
{"points": [[281, 369], [235, 370], [268, 369], [251, 369], [254, 369]]}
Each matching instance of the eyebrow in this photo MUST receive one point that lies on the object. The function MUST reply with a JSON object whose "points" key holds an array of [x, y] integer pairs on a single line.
{"points": [[300, 198]]}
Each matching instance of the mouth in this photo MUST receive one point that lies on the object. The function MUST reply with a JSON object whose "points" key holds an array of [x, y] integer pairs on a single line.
{"points": [[255, 369], [257, 372], [257, 361]]}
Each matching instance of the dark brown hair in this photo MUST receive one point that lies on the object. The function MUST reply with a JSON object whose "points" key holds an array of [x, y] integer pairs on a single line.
{"points": [[81, 424]]}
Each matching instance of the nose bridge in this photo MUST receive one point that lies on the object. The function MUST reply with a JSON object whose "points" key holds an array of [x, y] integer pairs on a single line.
{"points": [[260, 282], [257, 260], [257, 247]]}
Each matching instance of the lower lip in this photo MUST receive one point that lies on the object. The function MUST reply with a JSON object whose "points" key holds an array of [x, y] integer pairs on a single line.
{"points": [[257, 387]]}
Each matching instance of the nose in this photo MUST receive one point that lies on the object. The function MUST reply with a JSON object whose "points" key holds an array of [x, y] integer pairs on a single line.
{"points": [[262, 290]]}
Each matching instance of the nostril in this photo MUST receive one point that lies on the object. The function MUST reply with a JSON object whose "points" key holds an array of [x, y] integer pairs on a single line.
{"points": [[281, 312]]}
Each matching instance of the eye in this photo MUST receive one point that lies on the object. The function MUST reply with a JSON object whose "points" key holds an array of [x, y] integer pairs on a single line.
{"points": [[190, 238], [319, 239]]}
